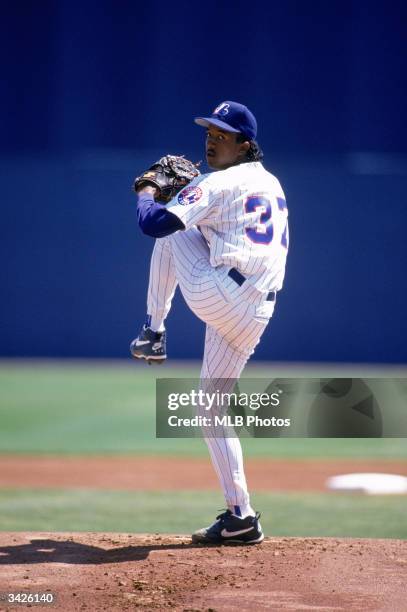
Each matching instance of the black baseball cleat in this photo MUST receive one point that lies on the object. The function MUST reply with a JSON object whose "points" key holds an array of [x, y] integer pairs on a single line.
{"points": [[149, 345], [231, 529]]}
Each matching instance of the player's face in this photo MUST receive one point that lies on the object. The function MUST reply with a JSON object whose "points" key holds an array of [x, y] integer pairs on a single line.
{"points": [[222, 150]]}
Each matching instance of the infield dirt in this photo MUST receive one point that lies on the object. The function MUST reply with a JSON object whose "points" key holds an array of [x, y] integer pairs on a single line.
{"points": [[175, 473], [90, 571], [96, 571]]}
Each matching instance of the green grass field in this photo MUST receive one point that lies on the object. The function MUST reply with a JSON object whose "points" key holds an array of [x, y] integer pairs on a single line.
{"points": [[289, 514], [93, 409], [90, 408]]}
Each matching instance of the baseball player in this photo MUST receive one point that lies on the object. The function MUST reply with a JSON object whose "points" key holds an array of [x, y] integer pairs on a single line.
{"points": [[223, 239]]}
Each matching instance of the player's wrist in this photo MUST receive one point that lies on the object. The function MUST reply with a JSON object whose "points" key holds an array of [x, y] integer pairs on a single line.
{"points": [[148, 189]]}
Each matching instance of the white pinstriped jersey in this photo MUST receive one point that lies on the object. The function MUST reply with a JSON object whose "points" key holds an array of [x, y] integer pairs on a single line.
{"points": [[242, 214]]}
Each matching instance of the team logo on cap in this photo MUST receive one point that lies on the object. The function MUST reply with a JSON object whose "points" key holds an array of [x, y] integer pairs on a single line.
{"points": [[189, 195], [222, 109]]}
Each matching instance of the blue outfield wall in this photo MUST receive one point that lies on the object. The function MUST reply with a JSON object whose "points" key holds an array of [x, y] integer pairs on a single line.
{"points": [[93, 91], [75, 265]]}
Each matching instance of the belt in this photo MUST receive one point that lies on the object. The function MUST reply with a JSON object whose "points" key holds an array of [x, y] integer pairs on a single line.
{"points": [[240, 279]]}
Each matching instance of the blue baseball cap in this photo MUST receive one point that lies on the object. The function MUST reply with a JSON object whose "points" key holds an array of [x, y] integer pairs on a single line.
{"points": [[231, 117]]}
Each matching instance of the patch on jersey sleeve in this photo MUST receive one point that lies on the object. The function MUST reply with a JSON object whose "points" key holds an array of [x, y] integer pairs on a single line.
{"points": [[190, 195]]}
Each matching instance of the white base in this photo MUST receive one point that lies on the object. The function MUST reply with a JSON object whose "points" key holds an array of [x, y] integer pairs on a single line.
{"points": [[371, 484]]}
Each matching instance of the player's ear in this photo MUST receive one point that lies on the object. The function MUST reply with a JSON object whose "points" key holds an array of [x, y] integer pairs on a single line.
{"points": [[244, 147]]}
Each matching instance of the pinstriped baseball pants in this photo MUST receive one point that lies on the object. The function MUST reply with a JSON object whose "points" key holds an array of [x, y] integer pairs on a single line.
{"points": [[234, 326]]}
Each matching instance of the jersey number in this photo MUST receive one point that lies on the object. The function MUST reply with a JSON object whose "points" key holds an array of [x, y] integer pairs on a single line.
{"points": [[264, 231]]}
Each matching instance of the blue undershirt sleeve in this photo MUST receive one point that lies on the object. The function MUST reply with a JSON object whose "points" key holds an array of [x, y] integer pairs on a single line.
{"points": [[155, 219]]}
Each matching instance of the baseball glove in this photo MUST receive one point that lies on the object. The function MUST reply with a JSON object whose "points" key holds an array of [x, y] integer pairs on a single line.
{"points": [[169, 175]]}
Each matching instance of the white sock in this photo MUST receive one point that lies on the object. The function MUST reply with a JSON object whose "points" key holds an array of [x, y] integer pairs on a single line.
{"points": [[158, 329], [157, 325], [242, 511]]}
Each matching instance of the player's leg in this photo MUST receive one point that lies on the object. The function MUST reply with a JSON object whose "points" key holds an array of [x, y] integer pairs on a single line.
{"points": [[163, 278], [212, 295], [189, 249], [150, 344], [232, 334], [222, 365], [161, 285], [182, 257], [202, 285]]}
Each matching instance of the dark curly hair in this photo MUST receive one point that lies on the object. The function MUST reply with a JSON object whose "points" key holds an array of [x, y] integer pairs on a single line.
{"points": [[254, 153]]}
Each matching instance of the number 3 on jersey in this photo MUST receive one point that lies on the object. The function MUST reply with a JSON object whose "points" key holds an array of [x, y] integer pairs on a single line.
{"points": [[263, 232]]}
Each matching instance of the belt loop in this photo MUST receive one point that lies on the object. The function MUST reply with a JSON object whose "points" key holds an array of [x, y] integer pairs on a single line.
{"points": [[236, 276]]}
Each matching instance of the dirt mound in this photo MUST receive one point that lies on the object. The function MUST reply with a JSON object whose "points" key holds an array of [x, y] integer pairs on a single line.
{"points": [[173, 473], [95, 571]]}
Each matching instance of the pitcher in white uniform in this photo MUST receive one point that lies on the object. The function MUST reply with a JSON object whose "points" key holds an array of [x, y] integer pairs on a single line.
{"points": [[223, 239]]}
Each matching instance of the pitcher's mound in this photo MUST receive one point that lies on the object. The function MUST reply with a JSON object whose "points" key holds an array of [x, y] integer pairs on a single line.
{"points": [[95, 571]]}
